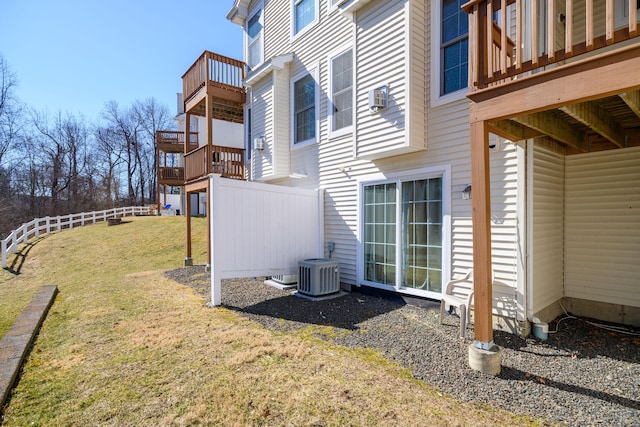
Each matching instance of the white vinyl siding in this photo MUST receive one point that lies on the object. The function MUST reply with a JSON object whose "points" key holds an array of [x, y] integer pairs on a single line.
{"points": [[602, 231], [547, 218], [270, 118], [262, 124], [384, 58], [391, 46]]}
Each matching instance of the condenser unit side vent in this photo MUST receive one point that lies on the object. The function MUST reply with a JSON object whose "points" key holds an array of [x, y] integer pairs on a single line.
{"points": [[285, 279], [318, 276]]}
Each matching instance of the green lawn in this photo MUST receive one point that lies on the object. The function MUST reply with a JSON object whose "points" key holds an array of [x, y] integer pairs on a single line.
{"points": [[122, 345]]}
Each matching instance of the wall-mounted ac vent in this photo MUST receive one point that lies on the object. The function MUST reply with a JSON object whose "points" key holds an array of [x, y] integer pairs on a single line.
{"points": [[285, 279], [378, 98], [318, 276], [258, 143]]}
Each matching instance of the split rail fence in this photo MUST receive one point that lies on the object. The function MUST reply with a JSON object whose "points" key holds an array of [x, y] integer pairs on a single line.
{"points": [[48, 224]]}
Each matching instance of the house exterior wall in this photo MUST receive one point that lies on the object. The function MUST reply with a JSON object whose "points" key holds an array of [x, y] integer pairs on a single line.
{"points": [[392, 46], [602, 232], [547, 263]]}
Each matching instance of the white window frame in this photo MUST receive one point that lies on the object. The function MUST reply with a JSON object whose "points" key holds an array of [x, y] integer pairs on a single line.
{"points": [[621, 13], [443, 171], [313, 72], [333, 4], [347, 129], [259, 39], [310, 25], [436, 60]]}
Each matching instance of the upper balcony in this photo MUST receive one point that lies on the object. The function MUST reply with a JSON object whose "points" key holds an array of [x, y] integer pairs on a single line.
{"points": [[170, 141], [208, 159], [218, 80], [557, 34], [567, 71]]}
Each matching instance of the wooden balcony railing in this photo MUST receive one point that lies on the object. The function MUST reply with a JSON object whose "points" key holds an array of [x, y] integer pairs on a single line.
{"points": [[227, 161], [171, 175], [211, 67], [498, 52], [171, 141]]}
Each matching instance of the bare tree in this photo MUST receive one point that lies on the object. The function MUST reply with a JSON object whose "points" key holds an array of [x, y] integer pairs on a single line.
{"points": [[63, 144], [10, 112], [109, 153], [152, 117], [124, 126]]}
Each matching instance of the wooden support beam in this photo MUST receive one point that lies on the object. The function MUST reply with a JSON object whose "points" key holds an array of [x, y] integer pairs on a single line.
{"points": [[597, 118], [607, 74], [512, 131], [209, 118], [188, 259], [481, 217], [551, 125], [187, 131], [632, 99]]}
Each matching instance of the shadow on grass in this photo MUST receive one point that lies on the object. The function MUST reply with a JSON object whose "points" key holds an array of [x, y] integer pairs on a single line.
{"points": [[21, 255]]}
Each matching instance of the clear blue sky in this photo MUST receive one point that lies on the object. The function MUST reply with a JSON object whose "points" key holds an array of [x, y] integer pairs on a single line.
{"points": [[75, 55]]}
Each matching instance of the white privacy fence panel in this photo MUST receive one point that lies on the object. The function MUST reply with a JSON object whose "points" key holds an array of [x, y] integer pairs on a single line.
{"points": [[48, 224], [261, 229]]}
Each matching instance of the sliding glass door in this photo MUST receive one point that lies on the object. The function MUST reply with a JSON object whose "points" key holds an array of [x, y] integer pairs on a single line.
{"points": [[402, 234]]}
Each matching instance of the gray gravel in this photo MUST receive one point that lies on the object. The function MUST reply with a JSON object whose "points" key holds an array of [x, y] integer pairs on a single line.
{"points": [[583, 375]]}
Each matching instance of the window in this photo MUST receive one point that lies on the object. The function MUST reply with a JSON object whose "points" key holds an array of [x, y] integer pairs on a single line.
{"points": [[304, 14], [403, 234], [454, 47], [254, 39], [341, 90], [304, 109]]}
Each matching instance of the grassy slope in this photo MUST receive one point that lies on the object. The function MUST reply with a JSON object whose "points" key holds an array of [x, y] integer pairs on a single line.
{"points": [[124, 346]]}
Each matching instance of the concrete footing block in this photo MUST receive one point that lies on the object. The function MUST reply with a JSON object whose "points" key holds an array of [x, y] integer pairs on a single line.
{"points": [[485, 361], [188, 262]]}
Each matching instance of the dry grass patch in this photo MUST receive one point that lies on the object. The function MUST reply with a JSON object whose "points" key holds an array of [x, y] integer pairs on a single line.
{"points": [[123, 345]]}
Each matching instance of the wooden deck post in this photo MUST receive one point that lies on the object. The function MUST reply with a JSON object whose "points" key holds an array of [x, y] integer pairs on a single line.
{"points": [[481, 217], [188, 261], [484, 356]]}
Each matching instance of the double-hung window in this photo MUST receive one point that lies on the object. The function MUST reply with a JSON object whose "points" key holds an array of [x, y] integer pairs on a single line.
{"points": [[305, 13], [403, 234], [304, 108], [454, 47], [341, 71], [255, 30]]}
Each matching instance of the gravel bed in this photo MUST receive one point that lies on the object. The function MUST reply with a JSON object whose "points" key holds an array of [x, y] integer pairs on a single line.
{"points": [[583, 375]]}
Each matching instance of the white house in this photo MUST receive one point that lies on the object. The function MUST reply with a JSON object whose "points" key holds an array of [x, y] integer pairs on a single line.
{"points": [[367, 100]]}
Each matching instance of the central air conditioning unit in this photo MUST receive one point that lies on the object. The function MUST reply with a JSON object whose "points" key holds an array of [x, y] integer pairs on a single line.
{"points": [[285, 279], [318, 276]]}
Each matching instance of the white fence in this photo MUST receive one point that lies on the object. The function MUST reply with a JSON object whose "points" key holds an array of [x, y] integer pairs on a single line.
{"points": [[261, 229], [47, 224]]}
